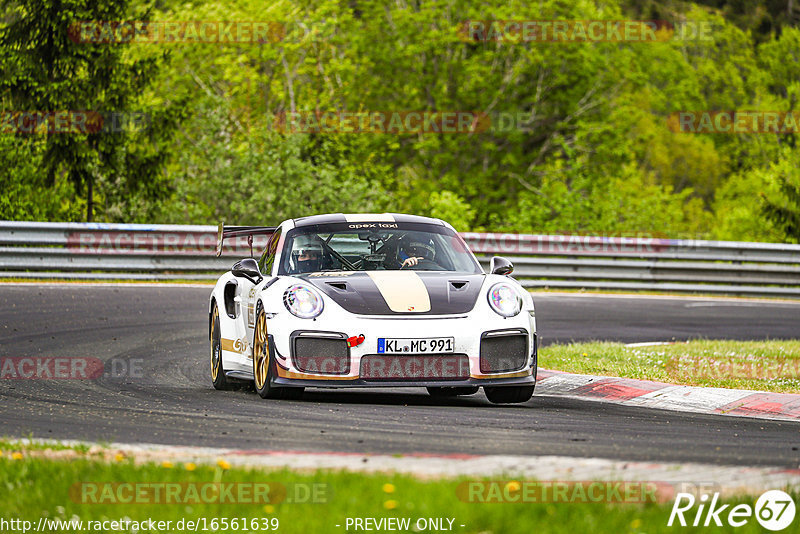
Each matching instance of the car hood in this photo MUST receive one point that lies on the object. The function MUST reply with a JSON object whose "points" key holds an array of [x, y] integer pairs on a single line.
{"points": [[400, 292]]}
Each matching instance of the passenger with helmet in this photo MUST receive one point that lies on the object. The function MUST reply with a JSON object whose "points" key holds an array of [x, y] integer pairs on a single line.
{"points": [[306, 255]]}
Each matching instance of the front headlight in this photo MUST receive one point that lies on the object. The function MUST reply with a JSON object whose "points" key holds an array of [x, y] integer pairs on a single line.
{"points": [[505, 300], [302, 301]]}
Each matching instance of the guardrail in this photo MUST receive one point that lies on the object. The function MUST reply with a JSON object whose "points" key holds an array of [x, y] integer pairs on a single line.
{"points": [[148, 252]]}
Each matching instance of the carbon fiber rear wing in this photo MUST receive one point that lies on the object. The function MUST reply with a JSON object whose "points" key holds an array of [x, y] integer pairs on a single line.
{"points": [[224, 232]]}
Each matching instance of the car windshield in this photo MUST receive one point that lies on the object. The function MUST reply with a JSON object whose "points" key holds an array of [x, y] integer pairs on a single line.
{"points": [[375, 247]]}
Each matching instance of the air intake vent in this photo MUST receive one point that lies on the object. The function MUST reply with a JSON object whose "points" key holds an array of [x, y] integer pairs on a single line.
{"points": [[503, 352], [457, 285], [323, 356], [414, 367]]}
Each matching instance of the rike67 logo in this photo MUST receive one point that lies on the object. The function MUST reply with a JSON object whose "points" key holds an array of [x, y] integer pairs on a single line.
{"points": [[774, 510]]}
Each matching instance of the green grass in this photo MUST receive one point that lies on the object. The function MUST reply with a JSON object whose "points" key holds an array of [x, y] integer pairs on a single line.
{"points": [[760, 365], [32, 487]]}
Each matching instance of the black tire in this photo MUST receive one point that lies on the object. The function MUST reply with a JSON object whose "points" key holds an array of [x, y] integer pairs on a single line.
{"points": [[264, 366], [218, 377], [453, 391], [508, 394]]}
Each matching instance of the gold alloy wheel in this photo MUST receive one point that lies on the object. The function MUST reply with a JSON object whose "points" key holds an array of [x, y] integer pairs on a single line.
{"points": [[260, 352], [216, 350]]}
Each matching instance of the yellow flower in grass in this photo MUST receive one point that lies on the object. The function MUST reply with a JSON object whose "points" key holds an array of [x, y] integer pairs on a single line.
{"points": [[269, 509], [223, 464], [119, 457], [585, 354], [388, 488], [166, 465], [16, 456], [636, 523], [391, 504], [189, 466], [513, 486]]}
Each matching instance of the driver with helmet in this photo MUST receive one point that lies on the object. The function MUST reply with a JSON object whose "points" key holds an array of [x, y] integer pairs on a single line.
{"points": [[413, 251]]}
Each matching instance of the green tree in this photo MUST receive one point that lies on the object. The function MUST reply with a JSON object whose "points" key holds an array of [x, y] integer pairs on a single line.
{"points": [[785, 215], [44, 69], [452, 208], [782, 207]]}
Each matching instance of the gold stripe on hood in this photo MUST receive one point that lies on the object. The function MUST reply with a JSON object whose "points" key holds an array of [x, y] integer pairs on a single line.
{"points": [[403, 291]]}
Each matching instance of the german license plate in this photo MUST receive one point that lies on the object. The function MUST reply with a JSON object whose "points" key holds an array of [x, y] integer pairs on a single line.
{"points": [[415, 345]]}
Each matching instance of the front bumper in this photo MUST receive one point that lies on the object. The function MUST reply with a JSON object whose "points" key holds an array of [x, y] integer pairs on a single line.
{"points": [[468, 333]]}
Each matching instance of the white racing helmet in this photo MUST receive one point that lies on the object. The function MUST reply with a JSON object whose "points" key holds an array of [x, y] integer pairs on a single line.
{"points": [[306, 256]]}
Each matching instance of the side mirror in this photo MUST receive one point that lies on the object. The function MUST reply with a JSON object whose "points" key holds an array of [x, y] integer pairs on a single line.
{"points": [[501, 266], [247, 268]]}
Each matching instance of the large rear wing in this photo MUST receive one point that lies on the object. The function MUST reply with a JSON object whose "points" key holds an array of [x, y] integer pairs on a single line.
{"points": [[224, 232]]}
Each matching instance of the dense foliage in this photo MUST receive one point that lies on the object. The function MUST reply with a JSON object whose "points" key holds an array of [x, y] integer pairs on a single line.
{"points": [[588, 147]]}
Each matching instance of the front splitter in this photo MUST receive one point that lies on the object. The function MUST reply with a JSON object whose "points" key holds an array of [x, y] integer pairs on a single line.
{"points": [[363, 383]]}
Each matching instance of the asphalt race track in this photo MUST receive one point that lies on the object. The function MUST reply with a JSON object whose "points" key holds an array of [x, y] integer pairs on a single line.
{"points": [[161, 333]]}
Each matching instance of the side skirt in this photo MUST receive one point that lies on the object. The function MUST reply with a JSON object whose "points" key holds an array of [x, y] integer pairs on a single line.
{"points": [[241, 375]]}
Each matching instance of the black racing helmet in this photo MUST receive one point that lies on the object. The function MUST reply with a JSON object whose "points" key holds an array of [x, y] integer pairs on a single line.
{"points": [[414, 246]]}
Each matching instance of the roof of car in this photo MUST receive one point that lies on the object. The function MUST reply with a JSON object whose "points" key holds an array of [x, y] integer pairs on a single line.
{"points": [[331, 218]]}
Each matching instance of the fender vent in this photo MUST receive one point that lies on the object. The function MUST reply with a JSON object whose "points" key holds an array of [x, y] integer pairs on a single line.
{"points": [[458, 285], [229, 294]]}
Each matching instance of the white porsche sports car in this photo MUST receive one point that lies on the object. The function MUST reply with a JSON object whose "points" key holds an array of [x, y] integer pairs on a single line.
{"points": [[381, 300]]}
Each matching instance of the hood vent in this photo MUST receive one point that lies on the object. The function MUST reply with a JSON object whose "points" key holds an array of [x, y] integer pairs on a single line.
{"points": [[340, 286]]}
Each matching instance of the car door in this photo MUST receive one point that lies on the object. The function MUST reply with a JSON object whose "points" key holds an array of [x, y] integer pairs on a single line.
{"points": [[245, 316], [249, 291]]}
